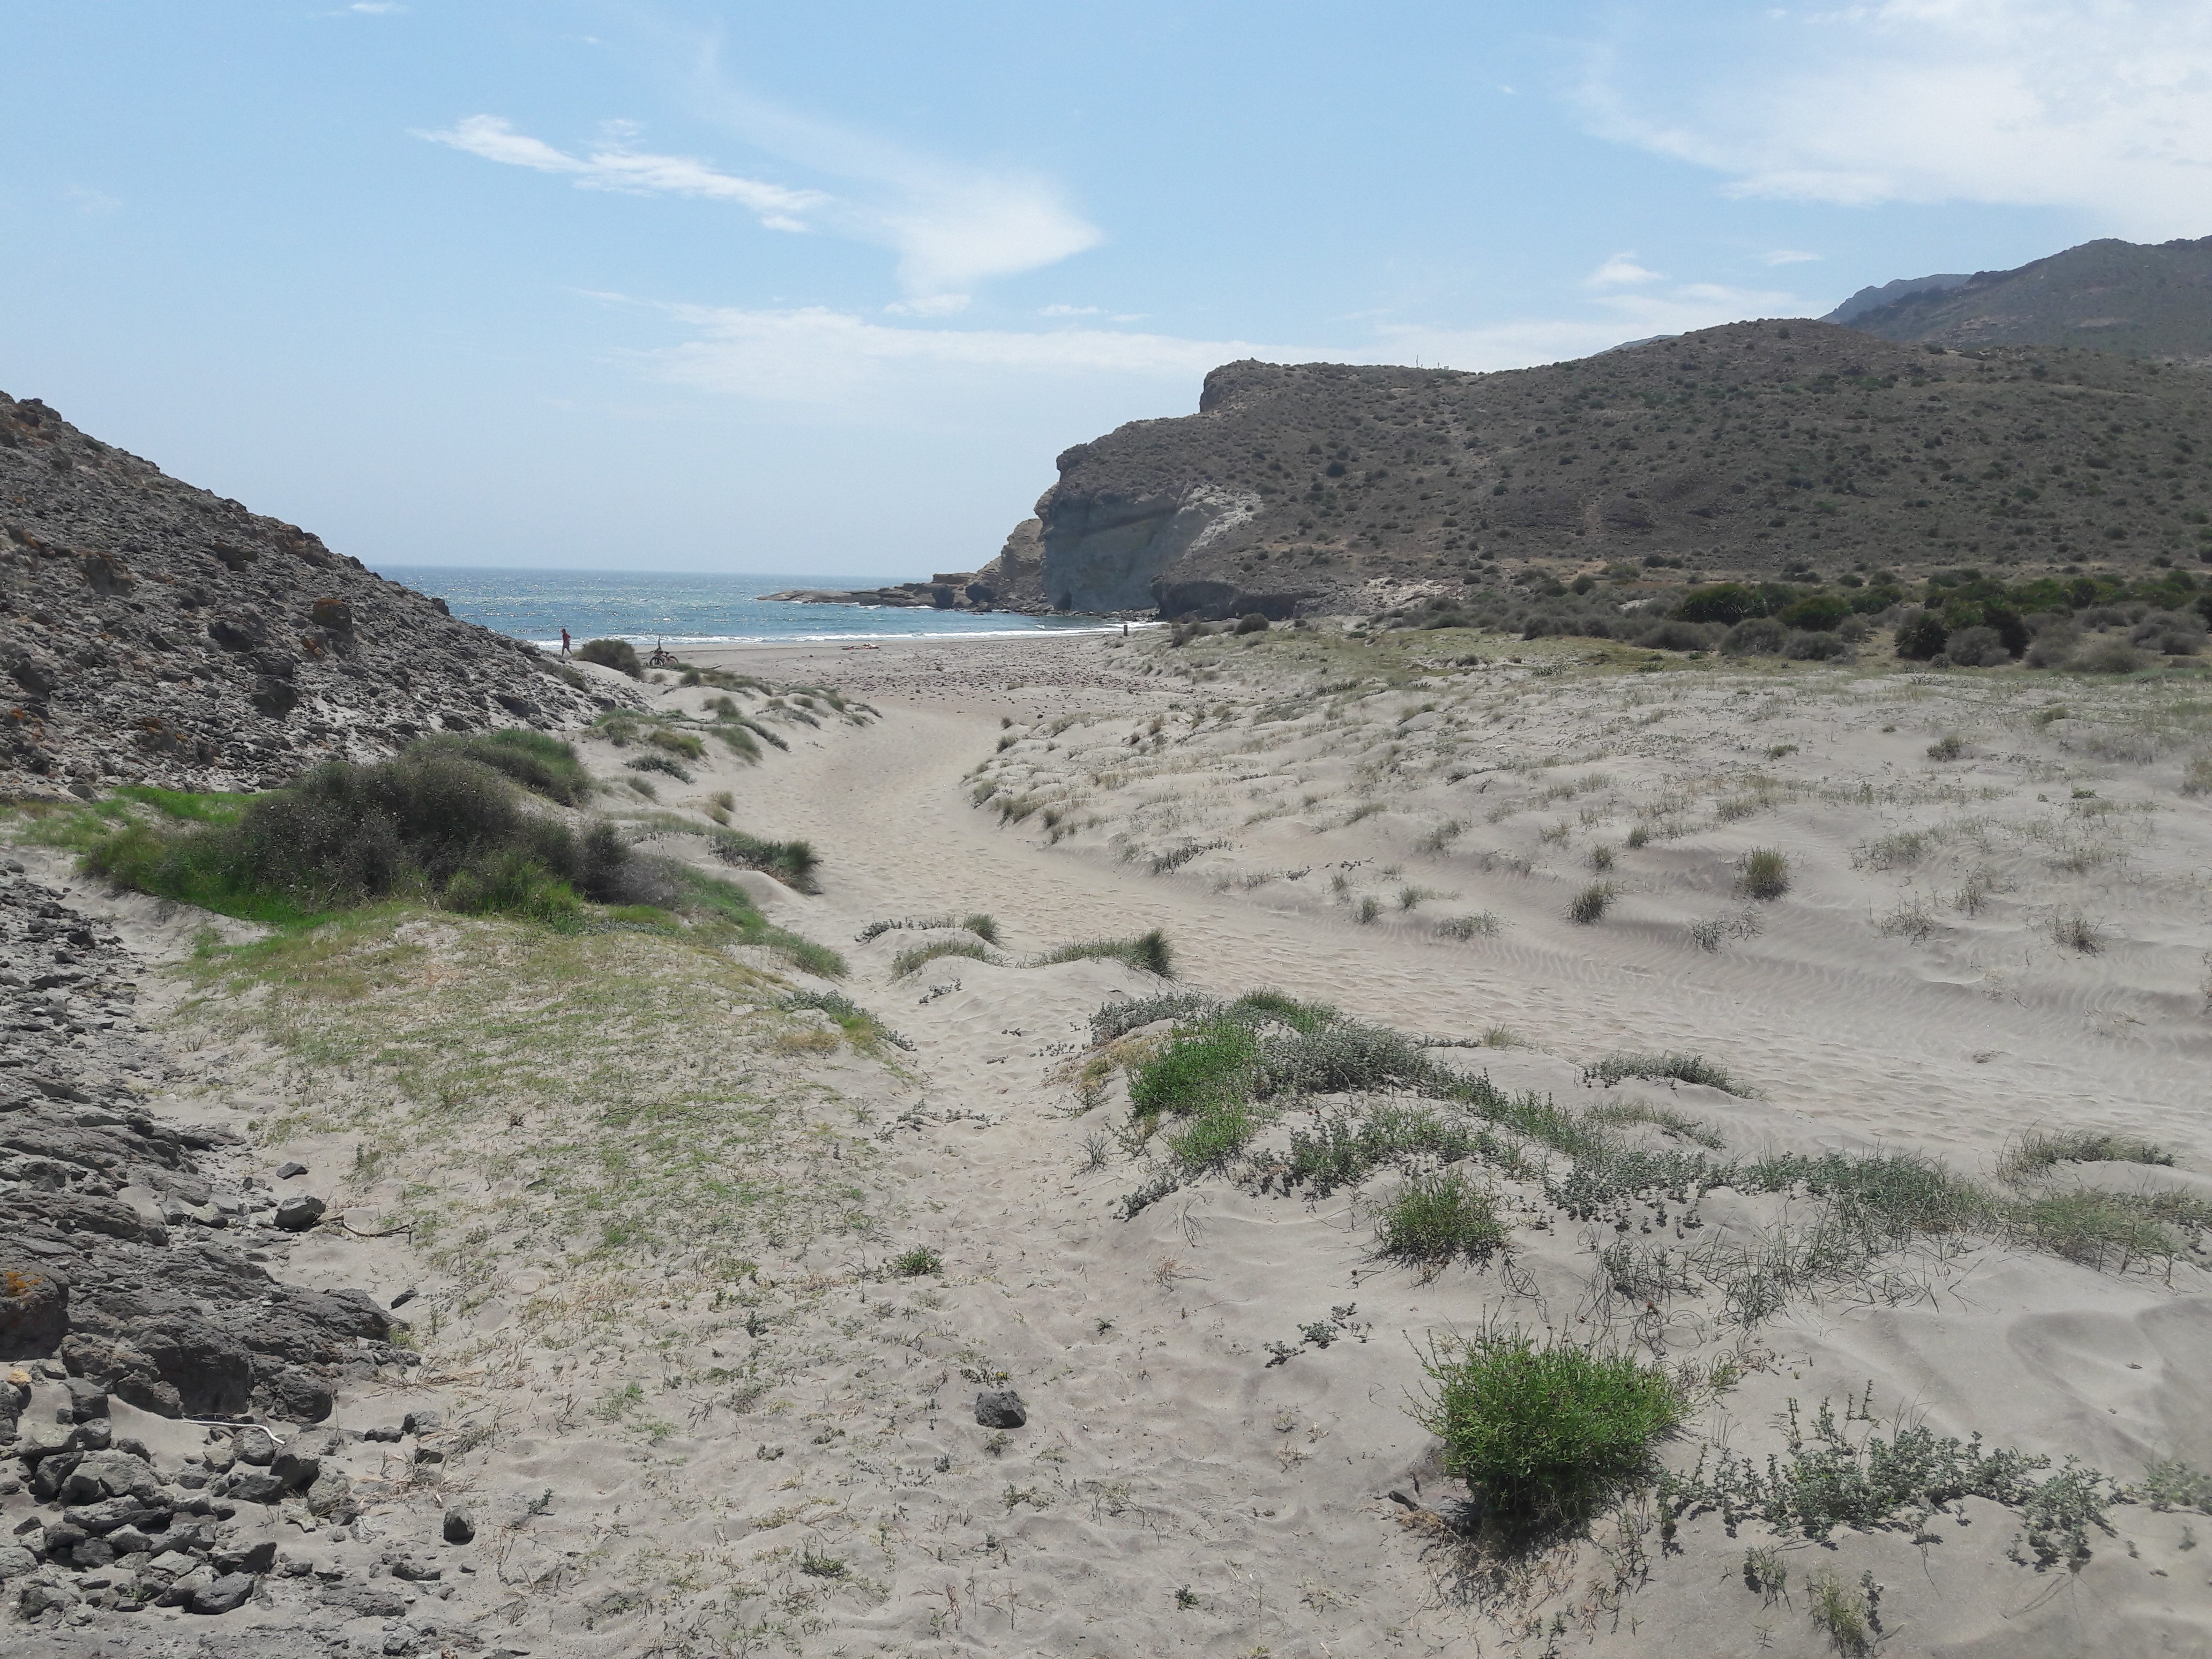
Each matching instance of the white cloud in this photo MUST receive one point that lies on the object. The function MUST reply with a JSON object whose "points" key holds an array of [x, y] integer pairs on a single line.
{"points": [[377, 7], [1621, 268], [1071, 311], [1787, 256], [820, 356], [615, 165], [2101, 106], [952, 228]]}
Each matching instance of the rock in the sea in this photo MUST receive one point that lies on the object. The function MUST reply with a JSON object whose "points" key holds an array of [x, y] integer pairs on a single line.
{"points": [[299, 1213], [1001, 1408]]}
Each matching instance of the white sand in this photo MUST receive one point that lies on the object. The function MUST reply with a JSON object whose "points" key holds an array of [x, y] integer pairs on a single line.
{"points": [[1164, 1452]]}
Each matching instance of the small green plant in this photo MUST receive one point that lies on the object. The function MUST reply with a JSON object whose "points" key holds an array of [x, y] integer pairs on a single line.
{"points": [[1949, 747], [1186, 1598], [816, 1563], [1763, 873], [1766, 1574], [2035, 1153], [1434, 1220], [1638, 836], [1370, 908], [1590, 904], [1601, 858], [1482, 924], [1203, 1067], [1847, 1615], [1614, 1068], [917, 1263], [2074, 931], [1148, 953], [2197, 776], [915, 958], [1543, 1433], [655, 761]]}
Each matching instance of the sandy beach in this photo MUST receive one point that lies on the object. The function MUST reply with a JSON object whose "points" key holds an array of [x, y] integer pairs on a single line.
{"points": [[702, 1407]]}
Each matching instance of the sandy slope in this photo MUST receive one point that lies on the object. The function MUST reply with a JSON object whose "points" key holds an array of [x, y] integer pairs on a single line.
{"points": [[1174, 1491]]}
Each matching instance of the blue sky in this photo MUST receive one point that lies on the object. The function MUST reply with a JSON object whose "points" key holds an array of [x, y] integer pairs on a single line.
{"points": [[825, 288]]}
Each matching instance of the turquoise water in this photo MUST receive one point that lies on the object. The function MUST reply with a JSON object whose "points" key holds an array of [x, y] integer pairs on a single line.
{"points": [[644, 606]]}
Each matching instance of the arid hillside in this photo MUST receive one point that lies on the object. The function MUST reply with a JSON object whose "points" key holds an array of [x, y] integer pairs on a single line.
{"points": [[1765, 449]]}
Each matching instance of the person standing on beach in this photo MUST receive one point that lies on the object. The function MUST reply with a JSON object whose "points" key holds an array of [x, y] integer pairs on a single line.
{"points": [[564, 642]]}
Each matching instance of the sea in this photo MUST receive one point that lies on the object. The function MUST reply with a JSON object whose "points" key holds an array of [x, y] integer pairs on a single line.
{"points": [[677, 608]]}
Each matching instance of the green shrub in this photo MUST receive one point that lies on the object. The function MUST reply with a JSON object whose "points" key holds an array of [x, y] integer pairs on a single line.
{"points": [[1148, 953], [790, 862], [1592, 903], [917, 957], [1203, 1068], [1543, 1435], [1252, 623], [1763, 874], [2037, 1152], [542, 764], [655, 761], [1432, 1220], [619, 655], [1949, 747], [1921, 637], [917, 1263], [1686, 1069], [1211, 1138]]}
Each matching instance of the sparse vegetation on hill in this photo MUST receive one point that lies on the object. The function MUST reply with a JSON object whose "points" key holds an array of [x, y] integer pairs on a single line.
{"points": [[1782, 451]]}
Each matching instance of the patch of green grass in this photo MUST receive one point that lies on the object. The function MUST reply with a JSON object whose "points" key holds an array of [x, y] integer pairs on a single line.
{"points": [[1845, 1614], [1209, 1138], [1764, 873], [860, 1027], [1148, 953], [915, 958], [2036, 1153], [1544, 1433], [1434, 1220], [918, 1263], [655, 761], [2096, 1228], [1481, 925], [793, 863], [541, 763], [1686, 1069], [1203, 1068]]}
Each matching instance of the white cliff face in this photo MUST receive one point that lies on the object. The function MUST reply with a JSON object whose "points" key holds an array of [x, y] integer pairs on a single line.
{"points": [[1103, 551]]}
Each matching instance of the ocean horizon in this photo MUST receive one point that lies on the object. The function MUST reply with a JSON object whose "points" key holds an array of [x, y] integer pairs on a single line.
{"points": [[694, 608]]}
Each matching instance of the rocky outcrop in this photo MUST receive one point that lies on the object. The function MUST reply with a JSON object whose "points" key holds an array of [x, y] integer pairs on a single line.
{"points": [[133, 1251], [1760, 450], [152, 632]]}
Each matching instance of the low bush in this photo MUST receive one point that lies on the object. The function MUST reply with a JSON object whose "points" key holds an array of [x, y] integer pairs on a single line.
{"points": [[790, 862], [1544, 1434], [542, 764], [1252, 623], [2036, 1153], [654, 760], [1592, 903], [1685, 1068], [1922, 637], [1764, 873], [916, 1263], [619, 655], [915, 958], [1148, 953], [1204, 1067], [1434, 1220]]}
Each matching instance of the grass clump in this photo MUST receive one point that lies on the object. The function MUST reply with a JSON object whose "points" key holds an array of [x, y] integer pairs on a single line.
{"points": [[2076, 931], [1685, 1068], [1543, 1435], [618, 655], [793, 863], [1764, 873], [1204, 1068], [1590, 904], [1210, 1138], [655, 760], [1482, 924], [1847, 1615], [915, 958], [542, 764], [2096, 1228], [1434, 1220], [918, 1263], [432, 822], [2037, 1152], [862, 1028], [1148, 953]]}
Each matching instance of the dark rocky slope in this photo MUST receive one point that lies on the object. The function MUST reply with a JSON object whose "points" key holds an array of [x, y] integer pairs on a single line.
{"points": [[2108, 295], [152, 632], [1760, 449]]}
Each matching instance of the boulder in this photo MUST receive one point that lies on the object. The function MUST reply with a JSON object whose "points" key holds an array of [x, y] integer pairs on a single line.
{"points": [[212, 1370], [299, 1213], [458, 1527], [1001, 1408], [33, 1307]]}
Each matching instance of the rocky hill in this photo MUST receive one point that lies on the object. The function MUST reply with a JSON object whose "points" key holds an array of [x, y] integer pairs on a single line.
{"points": [[2107, 296], [152, 632], [1760, 449]]}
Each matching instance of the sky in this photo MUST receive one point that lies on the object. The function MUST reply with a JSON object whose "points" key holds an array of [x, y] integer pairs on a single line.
{"points": [[683, 285]]}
